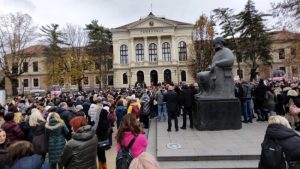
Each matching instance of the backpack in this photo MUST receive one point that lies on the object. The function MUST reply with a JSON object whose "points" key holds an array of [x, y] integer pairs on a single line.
{"points": [[135, 110], [124, 156], [272, 155], [120, 112]]}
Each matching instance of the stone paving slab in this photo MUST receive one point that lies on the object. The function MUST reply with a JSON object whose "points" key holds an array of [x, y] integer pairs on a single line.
{"points": [[239, 144]]}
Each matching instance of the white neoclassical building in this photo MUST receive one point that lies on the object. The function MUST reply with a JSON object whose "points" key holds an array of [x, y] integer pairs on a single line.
{"points": [[151, 50]]}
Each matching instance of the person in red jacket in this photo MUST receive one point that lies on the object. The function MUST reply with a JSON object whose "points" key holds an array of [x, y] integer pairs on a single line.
{"points": [[12, 129]]}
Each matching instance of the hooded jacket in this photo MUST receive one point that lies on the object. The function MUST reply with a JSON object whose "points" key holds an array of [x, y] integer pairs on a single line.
{"points": [[81, 151], [287, 138], [13, 131]]}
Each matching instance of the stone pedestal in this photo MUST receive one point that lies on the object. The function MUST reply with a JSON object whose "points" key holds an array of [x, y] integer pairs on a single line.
{"points": [[217, 114]]}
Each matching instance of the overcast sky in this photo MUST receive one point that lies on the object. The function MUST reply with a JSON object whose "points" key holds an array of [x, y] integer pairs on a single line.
{"points": [[114, 13]]}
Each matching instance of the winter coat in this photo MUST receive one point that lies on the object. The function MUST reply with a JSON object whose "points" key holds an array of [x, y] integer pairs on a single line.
{"points": [[66, 115], [81, 151], [120, 112], [145, 101], [259, 94], [159, 96], [287, 138], [56, 139], [103, 128], [269, 103], [13, 131], [188, 96], [138, 146], [171, 98], [3, 153], [39, 139], [30, 162]]}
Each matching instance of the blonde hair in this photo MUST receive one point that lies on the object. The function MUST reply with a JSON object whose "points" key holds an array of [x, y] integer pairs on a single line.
{"points": [[18, 117], [144, 161], [56, 117], [279, 120], [35, 117]]}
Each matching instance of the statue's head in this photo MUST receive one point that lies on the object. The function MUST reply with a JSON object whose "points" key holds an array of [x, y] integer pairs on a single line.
{"points": [[219, 43]]}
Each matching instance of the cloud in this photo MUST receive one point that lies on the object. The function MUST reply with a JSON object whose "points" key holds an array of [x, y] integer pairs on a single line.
{"points": [[21, 5]]}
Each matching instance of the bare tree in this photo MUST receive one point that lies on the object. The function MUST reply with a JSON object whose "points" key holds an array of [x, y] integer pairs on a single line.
{"points": [[203, 35], [17, 31], [76, 38]]}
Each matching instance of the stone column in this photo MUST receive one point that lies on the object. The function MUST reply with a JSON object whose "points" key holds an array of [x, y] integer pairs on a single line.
{"points": [[159, 51], [132, 55], [146, 52], [174, 54]]}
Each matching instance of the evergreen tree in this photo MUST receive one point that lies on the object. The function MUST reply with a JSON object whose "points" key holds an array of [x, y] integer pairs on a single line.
{"points": [[100, 47], [56, 63], [229, 22], [255, 41]]}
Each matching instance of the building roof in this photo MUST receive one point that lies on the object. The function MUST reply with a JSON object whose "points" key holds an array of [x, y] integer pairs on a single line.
{"points": [[151, 15], [284, 35]]}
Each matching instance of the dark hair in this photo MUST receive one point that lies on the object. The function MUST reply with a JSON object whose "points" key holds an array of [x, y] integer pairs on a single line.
{"points": [[128, 123], [120, 103], [19, 150], [9, 116]]}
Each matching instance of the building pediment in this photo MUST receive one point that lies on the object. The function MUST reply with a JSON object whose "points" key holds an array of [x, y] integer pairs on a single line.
{"points": [[152, 21]]}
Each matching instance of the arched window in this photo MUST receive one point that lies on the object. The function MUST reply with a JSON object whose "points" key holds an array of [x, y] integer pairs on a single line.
{"points": [[123, 54], [183, 76], [182, 51], [125, 78], [139, 50], [167, 76], [152, 52], [166, 51]]}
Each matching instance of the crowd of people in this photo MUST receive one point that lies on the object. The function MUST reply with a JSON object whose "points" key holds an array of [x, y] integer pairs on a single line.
{"points": [[66, 131]]}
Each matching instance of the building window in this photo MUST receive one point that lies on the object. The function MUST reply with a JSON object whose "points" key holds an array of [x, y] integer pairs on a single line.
{"points": [[86, 80], [25, 83], [125, 79], [239, 73], [85, 65], [25, 67], [166, 51], [183, 76], [282, 68], [182, 51], [139, 50], [281, 53], [35, 82], [110, 80], [35, 67], [293, 52], [97, 80], [14, 68], [62, 81], [152, 52], [110, 63], [124, 54], [295, 70], [73, 81]]}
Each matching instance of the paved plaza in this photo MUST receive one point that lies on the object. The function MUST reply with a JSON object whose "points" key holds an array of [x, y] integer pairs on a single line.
{"points": [[202, 149]]}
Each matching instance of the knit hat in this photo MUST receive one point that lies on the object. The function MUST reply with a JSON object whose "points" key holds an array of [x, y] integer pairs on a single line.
{"points": [[292, 93], [79, 107]]}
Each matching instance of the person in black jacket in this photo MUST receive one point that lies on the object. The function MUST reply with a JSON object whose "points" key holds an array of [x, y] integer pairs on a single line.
{"points": [[171, 99], [280, 130], [102, 132], [188, 98], [81, 150]]}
